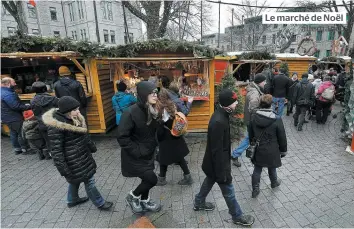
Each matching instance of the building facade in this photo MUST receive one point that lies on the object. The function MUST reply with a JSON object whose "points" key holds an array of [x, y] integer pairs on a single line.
{"points": [[78, 20]]}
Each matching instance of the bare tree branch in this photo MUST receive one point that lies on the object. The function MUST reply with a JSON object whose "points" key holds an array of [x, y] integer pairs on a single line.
{"points": [[135, 11]]}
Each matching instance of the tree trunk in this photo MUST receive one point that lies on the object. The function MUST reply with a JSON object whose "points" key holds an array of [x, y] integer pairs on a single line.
{"points": [[20, 18], [152, 30]]}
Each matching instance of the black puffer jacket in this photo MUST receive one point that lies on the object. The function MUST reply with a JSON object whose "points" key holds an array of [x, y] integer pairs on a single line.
{"points": [[273, 141], [41, 103], [30, 130], [69, 87], [71, 147], [217, 159], [136, 138]]}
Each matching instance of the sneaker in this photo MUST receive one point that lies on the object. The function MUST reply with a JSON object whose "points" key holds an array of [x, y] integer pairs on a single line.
{"points": [[244, 220], [150, 206], [106, 206], [79, 201], [48, 157], [235, 162], [134, 202], [255, 193], [299, 128], [17, 152], [187, 180], [275, 184], [161, 181], [207, 206]]}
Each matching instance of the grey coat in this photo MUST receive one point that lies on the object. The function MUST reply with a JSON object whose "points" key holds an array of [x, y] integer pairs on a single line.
{"points": [[252, 101]]}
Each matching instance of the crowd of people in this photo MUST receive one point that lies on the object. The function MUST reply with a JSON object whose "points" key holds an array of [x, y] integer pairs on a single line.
{"points": [[56, 127]]}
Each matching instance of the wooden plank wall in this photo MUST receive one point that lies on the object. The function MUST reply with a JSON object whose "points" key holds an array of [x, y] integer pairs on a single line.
{"points": [[107, 92], [297, 65]]}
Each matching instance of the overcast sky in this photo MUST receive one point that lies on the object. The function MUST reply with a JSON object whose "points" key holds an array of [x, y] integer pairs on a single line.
{"points": [[225, 15]]}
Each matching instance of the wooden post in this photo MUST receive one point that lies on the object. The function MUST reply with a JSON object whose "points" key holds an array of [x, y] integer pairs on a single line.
{"points": [[352, 146], [211, 86]]}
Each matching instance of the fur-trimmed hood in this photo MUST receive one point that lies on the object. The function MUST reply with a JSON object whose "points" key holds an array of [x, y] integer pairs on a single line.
{"points": [[50, 120]]}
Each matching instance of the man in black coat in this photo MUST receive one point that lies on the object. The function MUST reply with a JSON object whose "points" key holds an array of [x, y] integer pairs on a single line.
{"points": [[67, 86], [290, 104], [72, 149], [281, 84], [136, 137], [304, 98], [217, 161]]}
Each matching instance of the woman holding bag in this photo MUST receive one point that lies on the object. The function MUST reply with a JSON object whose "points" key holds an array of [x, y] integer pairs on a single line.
{"points": [[269, 131], [171, 149]]}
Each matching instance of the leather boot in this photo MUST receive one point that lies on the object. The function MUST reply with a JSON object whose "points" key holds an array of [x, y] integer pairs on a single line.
{"points": [[161, 181], [275, 183], [255, 188], [187, 180]]}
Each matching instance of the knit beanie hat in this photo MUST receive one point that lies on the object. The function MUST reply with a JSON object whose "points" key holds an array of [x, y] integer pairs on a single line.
{"points": [[39, 87], [67, 104], [121, 86], [227, 97], [259, 78], [28, 114], [64, 71]]}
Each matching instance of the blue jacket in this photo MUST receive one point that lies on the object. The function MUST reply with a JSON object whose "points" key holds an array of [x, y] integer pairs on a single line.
{"points": [[181, 107], [11, 106], [121, 101]]}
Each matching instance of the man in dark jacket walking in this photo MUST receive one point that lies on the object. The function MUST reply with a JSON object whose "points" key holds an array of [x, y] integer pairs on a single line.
{"points": [[11, 113], [290, 105], [304, 98], [216, 163], [41, 103], [281, 84], [269, 79], [67, 86]]}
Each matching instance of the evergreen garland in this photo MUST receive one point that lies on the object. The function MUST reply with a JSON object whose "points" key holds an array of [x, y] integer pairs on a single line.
{"points": [[26, 43], [236, 122], [285, 66], [257, 55], [348, 117]]}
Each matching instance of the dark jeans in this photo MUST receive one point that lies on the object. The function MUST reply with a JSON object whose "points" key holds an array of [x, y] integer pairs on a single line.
{"points": [[44, 133], [148, 181], [91, 190], [228, 192], [16, 135], [322, 111], [299, 116], [290, 106], [183, 164], [256, 176]]}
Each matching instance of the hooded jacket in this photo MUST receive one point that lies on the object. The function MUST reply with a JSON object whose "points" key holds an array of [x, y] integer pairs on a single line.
{"points": [[121, 101], [185, 109], [67, 86], [316, 83], [273, 141], [11, 106], [30, 130], [281, 86], [252, 101], [41, 103], [135, 137], [323, 87], [304, 93], [217, 158], [71, 147]]}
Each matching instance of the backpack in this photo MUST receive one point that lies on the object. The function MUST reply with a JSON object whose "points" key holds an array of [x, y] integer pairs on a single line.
{"points": [[328, 93], [179, 125]]}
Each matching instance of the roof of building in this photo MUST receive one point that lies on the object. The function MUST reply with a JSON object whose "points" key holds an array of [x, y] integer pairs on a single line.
{"points": [[292, 55]]}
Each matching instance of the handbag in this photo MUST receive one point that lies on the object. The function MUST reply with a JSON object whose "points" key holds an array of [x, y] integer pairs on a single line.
{"points": [[251, 149]]}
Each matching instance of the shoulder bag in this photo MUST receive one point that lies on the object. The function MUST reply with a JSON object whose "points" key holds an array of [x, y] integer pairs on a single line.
{"points": [[251, 149]]}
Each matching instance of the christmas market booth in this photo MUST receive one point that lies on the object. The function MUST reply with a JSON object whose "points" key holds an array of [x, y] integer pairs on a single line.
{"points": [[338, 63], [98, 68], [296, 62]]}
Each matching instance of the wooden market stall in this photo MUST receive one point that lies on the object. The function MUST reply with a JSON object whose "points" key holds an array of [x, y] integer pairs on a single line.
{"points": [[26, 68], [296, 63]]}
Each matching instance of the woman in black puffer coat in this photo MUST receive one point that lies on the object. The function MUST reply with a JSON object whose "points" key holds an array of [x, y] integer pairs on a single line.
{"points": [[272, 145], [71, 149]]}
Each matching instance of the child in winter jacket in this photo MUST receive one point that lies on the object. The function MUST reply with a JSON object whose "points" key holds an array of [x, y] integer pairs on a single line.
{"points": [[30, 132]]}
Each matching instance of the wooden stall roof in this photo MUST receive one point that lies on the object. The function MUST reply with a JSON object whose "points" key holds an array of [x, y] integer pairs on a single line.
{"points": [[139, 59], [257, 61], [293, 56], [39, 54]]}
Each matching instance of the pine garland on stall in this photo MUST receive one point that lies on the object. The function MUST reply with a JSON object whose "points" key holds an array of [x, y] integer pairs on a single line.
{"points": [[285, 66], [236, 120]]}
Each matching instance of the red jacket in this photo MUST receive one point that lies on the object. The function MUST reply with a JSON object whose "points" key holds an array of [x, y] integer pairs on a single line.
{"points": [[323, 87]]}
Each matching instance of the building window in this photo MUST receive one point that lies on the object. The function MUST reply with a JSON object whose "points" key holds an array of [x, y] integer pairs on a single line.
{"points": [[264, 39], [83, 34], [56, 33], [331, 35], [75, 34], [113, 37], [319, 35], [53, 13], [285, 25], [317, 54], [105, 36], [273, 38], [275, 26], [11, 30], [249, 39], [328, 53], [71, 11], [4, 11], [31, 11], [104, 12], [81, 9], [293, 38], [292, 50], [109, 9], [131, 38], [85, 37], [35, 31]]}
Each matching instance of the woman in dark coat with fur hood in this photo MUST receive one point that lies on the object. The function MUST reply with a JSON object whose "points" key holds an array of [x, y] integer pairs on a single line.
{"points": [[272, 146], [71, 149], [137, 139]]}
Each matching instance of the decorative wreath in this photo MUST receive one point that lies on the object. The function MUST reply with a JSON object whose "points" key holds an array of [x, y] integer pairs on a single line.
{"points": [[307, 51]]}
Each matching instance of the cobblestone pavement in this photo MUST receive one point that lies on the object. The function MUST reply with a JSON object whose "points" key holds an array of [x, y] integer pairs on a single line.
{"points": [[316, 190]]}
